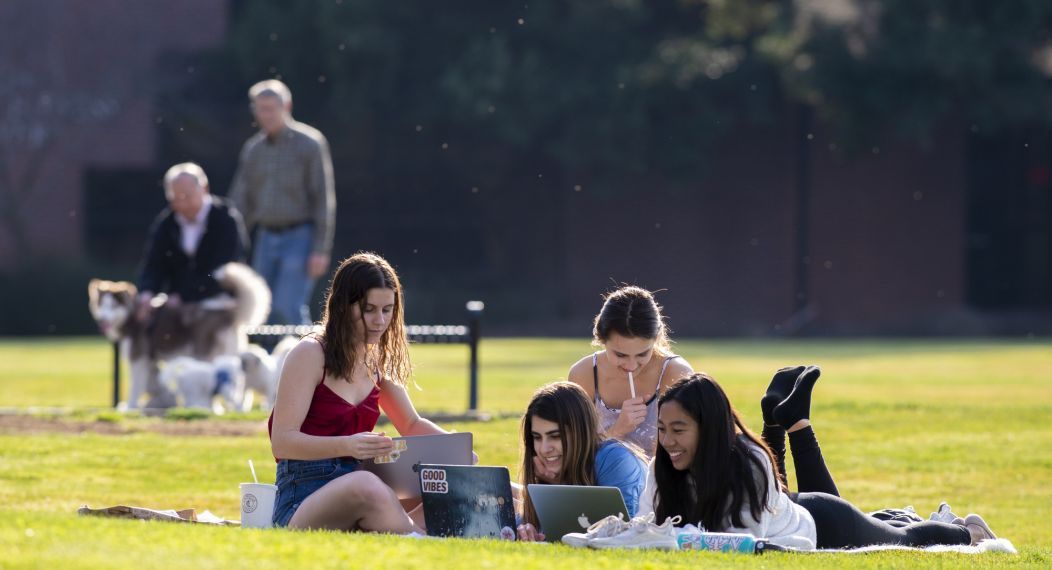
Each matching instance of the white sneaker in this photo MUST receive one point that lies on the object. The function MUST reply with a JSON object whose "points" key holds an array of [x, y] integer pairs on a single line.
{"points": [[976, 522], [643, 533], [415, 534], [944, 514], [607, 527]]}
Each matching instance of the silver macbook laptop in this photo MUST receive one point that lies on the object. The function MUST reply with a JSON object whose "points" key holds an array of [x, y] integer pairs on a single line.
{"points": [[397, 469], [573, 508]]}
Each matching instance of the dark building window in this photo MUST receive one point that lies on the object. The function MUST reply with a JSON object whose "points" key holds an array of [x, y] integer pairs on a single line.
{"points": [[119, 206], [1010, 221]]}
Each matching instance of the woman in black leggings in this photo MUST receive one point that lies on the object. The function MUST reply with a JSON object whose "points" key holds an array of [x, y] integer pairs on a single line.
{"points": [[711, 468], [784, 415]]}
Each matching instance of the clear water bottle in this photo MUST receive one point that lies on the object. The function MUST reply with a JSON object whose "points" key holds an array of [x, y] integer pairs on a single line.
{"points": [[695, 539]]}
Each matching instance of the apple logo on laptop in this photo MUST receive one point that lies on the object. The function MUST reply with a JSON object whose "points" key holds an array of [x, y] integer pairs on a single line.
{"points": [[583, 521]]}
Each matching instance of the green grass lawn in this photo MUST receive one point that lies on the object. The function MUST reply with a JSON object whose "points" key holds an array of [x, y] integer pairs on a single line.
{"points": [[900, 422]]}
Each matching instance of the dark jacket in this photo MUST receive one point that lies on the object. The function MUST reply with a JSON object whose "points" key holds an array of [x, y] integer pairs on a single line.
{"points": [[167, 269]]}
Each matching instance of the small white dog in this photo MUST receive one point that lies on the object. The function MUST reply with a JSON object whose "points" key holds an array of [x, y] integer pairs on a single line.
{"points": [[261, 376], [263, 370], [280, 352], [218, 385]]}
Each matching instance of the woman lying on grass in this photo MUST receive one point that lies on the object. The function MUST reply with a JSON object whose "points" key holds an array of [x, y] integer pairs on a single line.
{"points": [[329, 398], [563, 445], [711, 470], [634, 339]]}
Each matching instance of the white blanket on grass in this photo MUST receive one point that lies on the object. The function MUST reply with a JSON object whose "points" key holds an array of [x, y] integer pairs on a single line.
{"points": [[990, 545]]}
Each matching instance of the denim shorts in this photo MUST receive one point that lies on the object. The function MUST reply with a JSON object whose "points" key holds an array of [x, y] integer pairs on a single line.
{"points": [[297, 479]]}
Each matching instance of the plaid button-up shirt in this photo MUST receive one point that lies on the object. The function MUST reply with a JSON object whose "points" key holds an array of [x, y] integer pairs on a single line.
{"points": [[286, 180]]}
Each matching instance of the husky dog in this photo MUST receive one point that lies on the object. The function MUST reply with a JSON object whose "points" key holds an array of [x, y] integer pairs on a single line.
{"points": [[202, 330], [198, 384]]}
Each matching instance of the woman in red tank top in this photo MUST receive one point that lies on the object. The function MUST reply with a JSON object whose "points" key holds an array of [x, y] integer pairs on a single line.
{"points": [[333, 386]]}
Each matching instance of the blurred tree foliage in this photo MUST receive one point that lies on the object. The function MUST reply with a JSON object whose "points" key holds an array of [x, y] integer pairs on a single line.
{"points": [[474, 120], [479, 113], [588, 86], [868, 65], [633, 85]]}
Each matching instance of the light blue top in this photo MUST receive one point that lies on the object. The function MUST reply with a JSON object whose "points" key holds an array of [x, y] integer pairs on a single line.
{"points": [[616, 466]]}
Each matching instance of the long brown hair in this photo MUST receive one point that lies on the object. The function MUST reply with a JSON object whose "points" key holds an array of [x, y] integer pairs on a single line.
{"points": [[631, 312], [355, 276], [726, 471], [567, 405]]}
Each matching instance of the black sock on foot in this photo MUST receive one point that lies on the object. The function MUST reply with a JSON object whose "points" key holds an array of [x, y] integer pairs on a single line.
{"points": [[797, 406], [781, 385]]}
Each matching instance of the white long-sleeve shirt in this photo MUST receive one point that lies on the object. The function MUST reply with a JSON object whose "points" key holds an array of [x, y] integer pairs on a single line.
{"points": [[191, 230], [782, 522]]}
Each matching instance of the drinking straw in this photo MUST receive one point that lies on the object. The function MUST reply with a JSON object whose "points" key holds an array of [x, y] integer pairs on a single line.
{"points": [[253, 468], [632, 384]]}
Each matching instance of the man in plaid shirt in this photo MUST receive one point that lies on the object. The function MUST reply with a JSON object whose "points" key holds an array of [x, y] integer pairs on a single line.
{"points": [[284, 189]]}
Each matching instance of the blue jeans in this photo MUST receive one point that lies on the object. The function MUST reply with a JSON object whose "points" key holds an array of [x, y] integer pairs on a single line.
{"points": [[281, 259], [297, 480]]}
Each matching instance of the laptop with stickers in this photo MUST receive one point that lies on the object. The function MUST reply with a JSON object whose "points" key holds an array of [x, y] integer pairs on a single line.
{"points": [[467, 501], [398, 468], [573, 508]]}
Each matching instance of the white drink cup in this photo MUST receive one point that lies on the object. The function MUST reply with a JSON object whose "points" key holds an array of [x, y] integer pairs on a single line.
{"points": [[257, 505]]}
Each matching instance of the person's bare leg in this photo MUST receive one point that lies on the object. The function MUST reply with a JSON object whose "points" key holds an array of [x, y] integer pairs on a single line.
{"points": [[414, 507], [798, 425], [417, 516], [358, 500]]}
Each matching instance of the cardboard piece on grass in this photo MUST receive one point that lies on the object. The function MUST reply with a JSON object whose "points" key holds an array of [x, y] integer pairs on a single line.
{"points": [[169, 515]]}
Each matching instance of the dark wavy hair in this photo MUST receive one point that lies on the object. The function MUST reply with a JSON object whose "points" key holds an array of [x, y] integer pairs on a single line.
{"points": [[726, 471], [631, 312], [567, 405], [355, 276]]}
